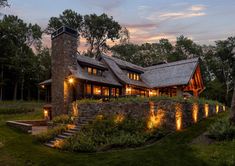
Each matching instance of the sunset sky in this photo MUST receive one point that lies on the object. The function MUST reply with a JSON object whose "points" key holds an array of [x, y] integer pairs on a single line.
{"points": [[204, 21]]}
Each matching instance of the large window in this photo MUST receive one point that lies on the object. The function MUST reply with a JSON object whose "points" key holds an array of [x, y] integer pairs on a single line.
{"points": [[96, 90], [105, 91], [134, 76]]}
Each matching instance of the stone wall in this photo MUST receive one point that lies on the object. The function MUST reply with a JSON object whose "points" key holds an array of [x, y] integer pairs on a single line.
{"points": [[166, 113]]}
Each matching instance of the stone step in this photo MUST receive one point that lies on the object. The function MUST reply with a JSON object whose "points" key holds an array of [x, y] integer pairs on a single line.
{"points": [[67, 133], [49, 145], [62, 136], [71, 131]]}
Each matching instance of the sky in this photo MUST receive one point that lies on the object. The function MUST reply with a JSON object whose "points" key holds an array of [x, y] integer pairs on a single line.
{"points": [[203, 21]]}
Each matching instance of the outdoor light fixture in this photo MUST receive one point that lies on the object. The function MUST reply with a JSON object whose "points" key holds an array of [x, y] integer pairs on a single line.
{"points": [[71, 80], [43, 86], [45, 112]]}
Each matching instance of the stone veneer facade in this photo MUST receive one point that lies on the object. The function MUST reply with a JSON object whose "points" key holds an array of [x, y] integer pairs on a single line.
{"points": [[64, 50], [166, 113]]}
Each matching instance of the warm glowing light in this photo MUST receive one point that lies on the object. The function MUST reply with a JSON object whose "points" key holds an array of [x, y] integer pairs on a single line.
{"points": [[224, 108], [119, 118], [71, 126], [71, 80], [128, 90], [195, 112], [217, 109], [99, 117], [43, 86], [58, 144], [178, 116], [75, 108], [206, 110], [155, 120], [45, 112]]}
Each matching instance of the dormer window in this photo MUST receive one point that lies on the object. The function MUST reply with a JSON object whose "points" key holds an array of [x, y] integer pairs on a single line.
{"points": [[94, 71], [134, 76]]}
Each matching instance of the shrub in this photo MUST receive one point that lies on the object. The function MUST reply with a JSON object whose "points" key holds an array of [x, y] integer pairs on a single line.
{"points": [[221, 130], [50, 134], [106, 134], [62, 119]]}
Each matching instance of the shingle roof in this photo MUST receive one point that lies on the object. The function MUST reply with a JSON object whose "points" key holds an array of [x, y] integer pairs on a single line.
{"points": [[106, 78], [164, 75], [124, 64], [120, 74], [91, 61], [170, 74]]}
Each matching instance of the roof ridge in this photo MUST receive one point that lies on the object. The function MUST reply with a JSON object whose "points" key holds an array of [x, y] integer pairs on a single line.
{"points": [[176, 63]]}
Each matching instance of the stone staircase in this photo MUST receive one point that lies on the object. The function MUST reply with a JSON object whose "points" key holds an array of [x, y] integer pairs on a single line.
{"points": [[79, 122]]}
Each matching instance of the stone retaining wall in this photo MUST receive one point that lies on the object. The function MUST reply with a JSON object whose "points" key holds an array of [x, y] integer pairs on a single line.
{"points": [[166, 113]]}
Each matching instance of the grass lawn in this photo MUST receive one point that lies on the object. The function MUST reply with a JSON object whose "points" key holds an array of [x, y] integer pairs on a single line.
{"points": [[175, 149]]}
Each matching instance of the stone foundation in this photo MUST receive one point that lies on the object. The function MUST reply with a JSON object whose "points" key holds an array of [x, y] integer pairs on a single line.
{"points": [[166, 113]]}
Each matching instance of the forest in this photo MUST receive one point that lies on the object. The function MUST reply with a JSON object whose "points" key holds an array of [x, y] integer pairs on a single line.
{"points": [[25, 62]]}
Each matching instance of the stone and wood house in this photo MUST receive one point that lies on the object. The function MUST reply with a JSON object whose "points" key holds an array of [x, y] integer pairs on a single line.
{"points": [[76, 76]]}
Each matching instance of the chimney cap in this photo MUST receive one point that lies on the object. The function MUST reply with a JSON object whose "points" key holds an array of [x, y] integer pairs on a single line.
{"points": [[64, 29]]}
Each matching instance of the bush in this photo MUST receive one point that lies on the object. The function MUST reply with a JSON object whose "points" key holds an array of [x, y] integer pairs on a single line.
{"points": [[50, 134], [62, 119], [221, 130], [105, 134]]}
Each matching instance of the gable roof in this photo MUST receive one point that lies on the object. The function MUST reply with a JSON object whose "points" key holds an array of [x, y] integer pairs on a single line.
{"points": [[106, 78], [114, 65], [124, 64], [170, 74]]}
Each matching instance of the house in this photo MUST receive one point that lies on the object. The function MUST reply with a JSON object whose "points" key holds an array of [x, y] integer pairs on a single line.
{"points": [[76, 76]]}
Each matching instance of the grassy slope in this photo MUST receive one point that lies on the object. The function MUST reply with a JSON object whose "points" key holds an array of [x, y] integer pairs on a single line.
{"points": [[20, 149]]}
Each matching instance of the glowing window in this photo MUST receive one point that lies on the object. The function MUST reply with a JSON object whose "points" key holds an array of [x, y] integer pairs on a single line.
{"points": [[105, 91], [97, 90], [89, 70]]}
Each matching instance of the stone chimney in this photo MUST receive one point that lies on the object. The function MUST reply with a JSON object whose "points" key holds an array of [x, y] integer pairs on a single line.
{"points": [[64, 50]]}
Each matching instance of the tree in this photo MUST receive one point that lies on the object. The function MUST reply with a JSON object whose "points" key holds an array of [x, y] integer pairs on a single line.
{"points": [[3, 3], [68, 18], [17, 53], [232, 113], [97, 30]]}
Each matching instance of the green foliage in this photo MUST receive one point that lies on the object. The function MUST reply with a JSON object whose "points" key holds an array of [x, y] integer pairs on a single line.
{"points": [[68, 18], [62, 119], [106, 134], [9, 107], [221, 130], [50, 134], [97, 30]]}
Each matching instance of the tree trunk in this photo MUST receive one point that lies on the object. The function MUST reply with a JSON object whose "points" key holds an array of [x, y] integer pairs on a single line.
{"points": [[15, 91], [232, 112], [1, 89], [22, 90]]}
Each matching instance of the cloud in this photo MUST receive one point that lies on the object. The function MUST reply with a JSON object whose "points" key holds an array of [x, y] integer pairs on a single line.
{"points": [[180, 15], [187, 12], [197, 8]]}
